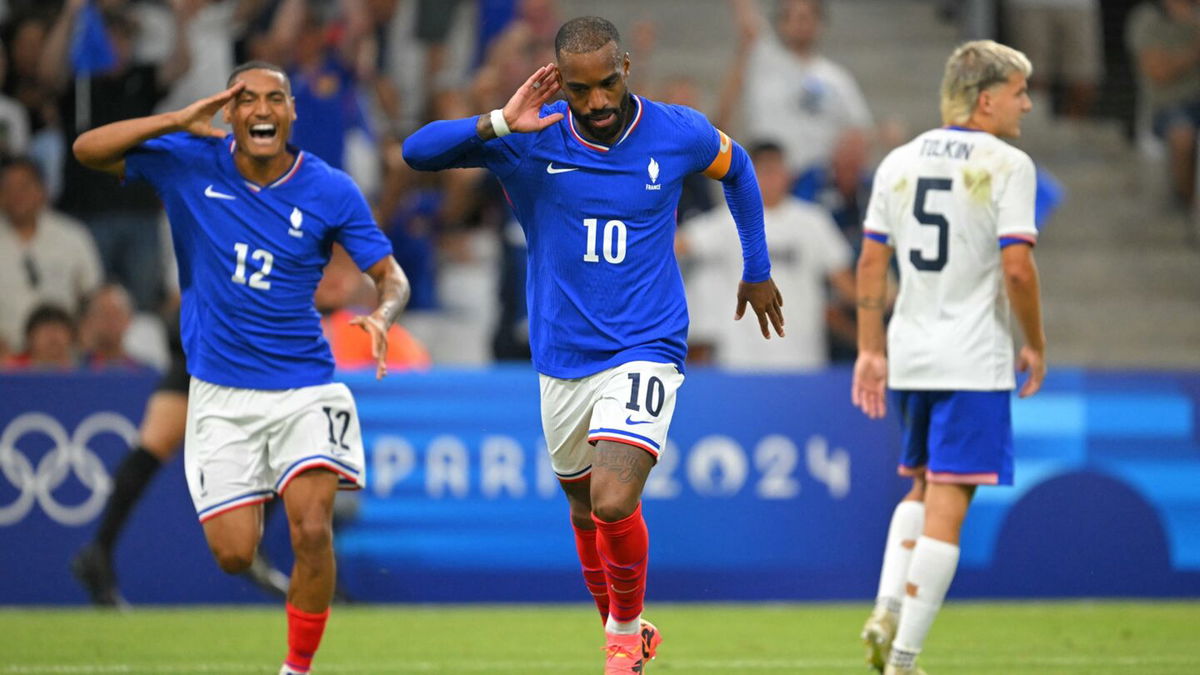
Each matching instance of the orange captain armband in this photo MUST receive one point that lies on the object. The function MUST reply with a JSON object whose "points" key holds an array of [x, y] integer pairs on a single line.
{"points": [[720, 164]]}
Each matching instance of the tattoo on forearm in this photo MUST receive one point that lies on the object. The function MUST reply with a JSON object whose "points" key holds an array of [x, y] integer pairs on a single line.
{"points": [[624, 464], [483, 127], [392, 299], [870, 303]]}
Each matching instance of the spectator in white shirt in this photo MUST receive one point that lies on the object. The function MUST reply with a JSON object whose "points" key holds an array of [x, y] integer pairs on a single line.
{"points": [[789, 92], [45, 256], [807, 252]]}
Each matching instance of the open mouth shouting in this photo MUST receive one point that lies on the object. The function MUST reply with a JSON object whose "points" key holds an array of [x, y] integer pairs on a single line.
{"points": [[263, 134]]}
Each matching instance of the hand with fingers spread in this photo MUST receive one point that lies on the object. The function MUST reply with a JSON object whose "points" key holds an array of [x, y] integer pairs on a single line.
{"points": [[196, 119], [766, 301], [523, 110]]}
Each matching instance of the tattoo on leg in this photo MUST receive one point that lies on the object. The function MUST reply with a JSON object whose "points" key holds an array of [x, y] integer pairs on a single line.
{"points": [[624, 464]]}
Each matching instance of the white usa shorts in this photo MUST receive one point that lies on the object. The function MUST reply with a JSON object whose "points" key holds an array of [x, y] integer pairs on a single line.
{"points": [[243, 446], [631, 403]]}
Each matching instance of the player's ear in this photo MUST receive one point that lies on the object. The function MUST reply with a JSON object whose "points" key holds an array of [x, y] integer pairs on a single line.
{"points": [[292, 105], [625, 65], [983, 104]]}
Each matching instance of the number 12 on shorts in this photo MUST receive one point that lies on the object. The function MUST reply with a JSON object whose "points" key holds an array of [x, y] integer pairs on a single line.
{"points": [[336, 419]]}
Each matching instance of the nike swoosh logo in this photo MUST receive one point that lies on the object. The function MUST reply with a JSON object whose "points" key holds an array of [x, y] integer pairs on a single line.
{"points": [[629, 420], [213, 194], [550, 169]]}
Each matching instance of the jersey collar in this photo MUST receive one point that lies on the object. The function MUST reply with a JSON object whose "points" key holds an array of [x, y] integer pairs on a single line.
{"points": [[637, 117], [287, 175]]}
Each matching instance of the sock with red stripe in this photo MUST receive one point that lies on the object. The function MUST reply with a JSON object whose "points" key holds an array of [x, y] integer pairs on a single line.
{"points": [[593, 569], [304, 636], [624, 548]]}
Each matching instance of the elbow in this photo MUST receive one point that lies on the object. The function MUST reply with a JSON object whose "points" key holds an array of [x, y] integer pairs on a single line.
{"points": [[1019, 276], [415, 156], [869, 268], [83, 150]]}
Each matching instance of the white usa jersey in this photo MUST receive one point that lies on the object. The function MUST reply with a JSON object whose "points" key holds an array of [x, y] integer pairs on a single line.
{"points": [[947, 202]]}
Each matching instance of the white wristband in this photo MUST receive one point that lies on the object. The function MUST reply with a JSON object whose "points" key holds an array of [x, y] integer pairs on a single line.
{"points": [[499, 125]]}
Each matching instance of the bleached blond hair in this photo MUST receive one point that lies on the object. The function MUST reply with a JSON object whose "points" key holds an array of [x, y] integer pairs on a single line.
{"points": [[973, 67]]}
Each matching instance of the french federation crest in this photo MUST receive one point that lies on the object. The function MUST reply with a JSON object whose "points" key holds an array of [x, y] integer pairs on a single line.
{"points": [[297, 219], [652, 169]]}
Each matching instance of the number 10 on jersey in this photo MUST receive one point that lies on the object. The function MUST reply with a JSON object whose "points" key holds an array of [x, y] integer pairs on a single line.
{"points": [[614, 241]]}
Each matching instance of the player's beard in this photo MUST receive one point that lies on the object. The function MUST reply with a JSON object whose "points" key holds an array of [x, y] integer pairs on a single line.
{"points": [[607, 134]]}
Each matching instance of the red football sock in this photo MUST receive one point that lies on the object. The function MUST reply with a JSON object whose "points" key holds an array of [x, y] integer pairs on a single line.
{"points": [[624, 548], [593, 569], [304, 636]]}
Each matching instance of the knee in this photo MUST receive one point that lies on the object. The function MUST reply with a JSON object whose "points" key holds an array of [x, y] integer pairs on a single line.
{"points": [[611, 509], [311, 535], [232, 561], [582, 519]]}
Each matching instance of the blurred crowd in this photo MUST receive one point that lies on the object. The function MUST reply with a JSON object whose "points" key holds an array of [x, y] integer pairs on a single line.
{"points": [[87, 275]]}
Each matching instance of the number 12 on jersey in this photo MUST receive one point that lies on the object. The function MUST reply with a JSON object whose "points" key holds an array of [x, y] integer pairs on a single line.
{"points": [[258, 279], [614, 241]]}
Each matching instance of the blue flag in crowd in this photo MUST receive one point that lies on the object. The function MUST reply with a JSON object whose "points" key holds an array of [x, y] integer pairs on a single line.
{"points": [[91, 51], [1049, 196]]}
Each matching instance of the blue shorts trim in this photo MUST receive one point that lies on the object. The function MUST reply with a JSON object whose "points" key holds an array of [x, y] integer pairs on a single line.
{"points": [[957, 436]]}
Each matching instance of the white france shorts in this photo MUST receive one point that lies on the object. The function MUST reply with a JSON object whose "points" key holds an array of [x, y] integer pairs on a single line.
{"points": [[243, 446], [631, 403]]}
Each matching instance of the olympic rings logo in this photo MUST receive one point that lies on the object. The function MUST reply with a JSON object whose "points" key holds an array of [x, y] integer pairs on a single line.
{"points": [[69, 455]]}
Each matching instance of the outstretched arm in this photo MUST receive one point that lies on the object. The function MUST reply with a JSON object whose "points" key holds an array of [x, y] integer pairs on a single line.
{"points": [[104, 148], [445, 144], [54, 68], [392, 284], [749, 22], [870, 369], [179, 60]]}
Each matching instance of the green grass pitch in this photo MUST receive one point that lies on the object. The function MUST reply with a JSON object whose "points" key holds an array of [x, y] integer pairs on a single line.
{"points": [[1146, 638]]}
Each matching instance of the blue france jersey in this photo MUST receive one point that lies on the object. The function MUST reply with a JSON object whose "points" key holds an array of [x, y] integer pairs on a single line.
{"points": [[250, 257], [603, 286]]}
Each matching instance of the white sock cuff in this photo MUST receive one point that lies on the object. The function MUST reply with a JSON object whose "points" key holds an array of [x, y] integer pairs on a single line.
{"points": [[942, 549], [932, 569], [909, 519]]}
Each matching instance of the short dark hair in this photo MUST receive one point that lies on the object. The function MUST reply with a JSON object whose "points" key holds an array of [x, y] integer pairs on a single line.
{"points": [[260, 65], [47, 314], [27, 163], [760, 148], [584, 35]]}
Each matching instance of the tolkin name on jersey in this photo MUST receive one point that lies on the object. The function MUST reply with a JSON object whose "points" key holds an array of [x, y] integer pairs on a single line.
{"points": [[652, 169], [932, 147]]}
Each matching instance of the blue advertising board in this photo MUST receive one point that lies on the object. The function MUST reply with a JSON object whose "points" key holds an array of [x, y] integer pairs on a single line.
{"points": [[771, 487]]}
